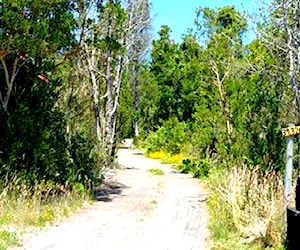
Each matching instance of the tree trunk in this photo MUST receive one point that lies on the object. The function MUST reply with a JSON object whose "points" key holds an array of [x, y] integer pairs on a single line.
{"points": [[95, 91], [224, 107], [9, 81]]}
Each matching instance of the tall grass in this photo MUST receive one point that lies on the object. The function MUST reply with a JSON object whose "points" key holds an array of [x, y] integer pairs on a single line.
{"points": [[246, 209], [23, 208]]}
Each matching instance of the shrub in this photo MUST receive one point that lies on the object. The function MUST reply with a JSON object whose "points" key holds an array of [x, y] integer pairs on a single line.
{"points": [[198, 169], [170, 137]]}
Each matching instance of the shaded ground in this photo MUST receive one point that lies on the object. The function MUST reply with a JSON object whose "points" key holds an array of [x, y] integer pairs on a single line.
{"points": [[136, 210]]}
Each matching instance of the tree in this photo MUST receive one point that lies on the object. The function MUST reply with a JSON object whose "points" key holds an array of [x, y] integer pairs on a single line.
{"points": [[139, 14], [110, 44], [37, 38], [280, 34], [223, 30], [166, 71], [30, 32]]}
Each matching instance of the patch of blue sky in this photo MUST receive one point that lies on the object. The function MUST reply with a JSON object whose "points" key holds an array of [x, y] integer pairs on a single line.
{"points": [[179, 15]]}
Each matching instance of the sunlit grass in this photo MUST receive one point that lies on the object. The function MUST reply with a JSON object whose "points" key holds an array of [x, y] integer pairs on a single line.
{"points": [[157, 155], [246, 209], [22, 208], [167, 158]]}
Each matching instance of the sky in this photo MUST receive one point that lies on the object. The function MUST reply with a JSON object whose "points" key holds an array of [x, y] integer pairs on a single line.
{"points": [[179, 15]]}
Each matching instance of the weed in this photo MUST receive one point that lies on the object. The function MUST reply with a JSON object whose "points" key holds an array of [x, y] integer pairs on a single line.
{"points": [[156, 171], [8, 239], [198, 168], [157, 155], [22, 207], [173, 159], [246, 209], [166, 158]]}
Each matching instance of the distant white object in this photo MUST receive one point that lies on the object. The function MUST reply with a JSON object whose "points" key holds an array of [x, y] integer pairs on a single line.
{"points": [[127, 143]]}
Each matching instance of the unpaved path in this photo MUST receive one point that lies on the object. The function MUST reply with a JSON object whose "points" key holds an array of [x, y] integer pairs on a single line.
{"points": [[136, 211]]}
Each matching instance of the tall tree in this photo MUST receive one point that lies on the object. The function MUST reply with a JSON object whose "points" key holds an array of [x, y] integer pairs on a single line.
{"points": [[223, 32], [110, 44], [166, 70], [281, 34], [140, 20]]}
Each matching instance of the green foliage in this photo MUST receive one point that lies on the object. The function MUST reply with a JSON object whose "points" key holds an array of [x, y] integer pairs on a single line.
{"points": [[213, 90], [169, 137], [35, 145], [226, 20], [126, 112], [36, 28], [8, 239], [198, 169]]}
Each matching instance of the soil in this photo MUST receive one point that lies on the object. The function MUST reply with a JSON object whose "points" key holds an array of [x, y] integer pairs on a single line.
{"points": [[135, 210]]}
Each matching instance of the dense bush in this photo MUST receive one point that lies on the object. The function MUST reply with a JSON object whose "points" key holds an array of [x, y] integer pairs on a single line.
{"points": [[198, 168], [169, 137], [34, 144]]}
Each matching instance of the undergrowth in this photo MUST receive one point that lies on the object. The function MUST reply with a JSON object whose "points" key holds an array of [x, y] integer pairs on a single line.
{"points": [[246, 209], [23, 208], [199, 168], [166, 158]]}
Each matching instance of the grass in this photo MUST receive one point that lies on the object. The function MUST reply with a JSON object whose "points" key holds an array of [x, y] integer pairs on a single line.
{"points": [[246, 209], [23, 208], [8, 239], [166, 158], [156, 171]]}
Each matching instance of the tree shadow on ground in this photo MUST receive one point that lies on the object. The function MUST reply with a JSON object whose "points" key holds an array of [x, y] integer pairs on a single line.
{"points": [[108, 191], [138, 153]]}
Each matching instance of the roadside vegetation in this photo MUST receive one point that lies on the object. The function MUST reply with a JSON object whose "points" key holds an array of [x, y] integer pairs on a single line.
{"points": [[24, 208], [218, 106], [246, 207], [78, 77]]}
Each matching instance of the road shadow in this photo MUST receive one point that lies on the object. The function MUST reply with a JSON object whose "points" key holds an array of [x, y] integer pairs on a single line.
{"points": [[137, 153], [108, 191]]}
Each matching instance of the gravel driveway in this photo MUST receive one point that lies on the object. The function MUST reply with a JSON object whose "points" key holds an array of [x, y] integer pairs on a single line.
{"points": [[136, 210]]}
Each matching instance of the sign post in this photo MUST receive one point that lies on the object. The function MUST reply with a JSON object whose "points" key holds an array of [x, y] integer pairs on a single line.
{"points": [[292, 215], [288, 170]]}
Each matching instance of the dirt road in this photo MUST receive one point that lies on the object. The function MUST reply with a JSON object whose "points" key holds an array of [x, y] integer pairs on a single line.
{"points": [[136, 210]]}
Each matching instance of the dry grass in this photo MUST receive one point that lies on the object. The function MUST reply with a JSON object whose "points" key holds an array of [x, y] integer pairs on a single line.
{"points": [[249, 206], [22, 208]]}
